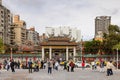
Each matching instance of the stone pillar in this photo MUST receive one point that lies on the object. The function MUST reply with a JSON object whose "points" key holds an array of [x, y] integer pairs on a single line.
{"points": [[50, 53], [43, 53], [66, 53], [74, 53]]}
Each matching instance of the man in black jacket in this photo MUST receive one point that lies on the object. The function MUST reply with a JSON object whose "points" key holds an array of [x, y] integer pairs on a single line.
{"points": [[12, 65]]}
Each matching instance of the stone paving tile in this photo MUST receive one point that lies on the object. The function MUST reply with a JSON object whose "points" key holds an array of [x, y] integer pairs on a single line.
{"points": [[18, 75], [79, 74]]}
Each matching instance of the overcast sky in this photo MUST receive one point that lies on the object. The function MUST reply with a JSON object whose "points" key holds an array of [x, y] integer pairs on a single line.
{"points": [[73, 13]]}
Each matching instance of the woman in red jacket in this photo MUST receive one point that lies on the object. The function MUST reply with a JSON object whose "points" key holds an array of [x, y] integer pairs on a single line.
{"points": [[83, 64]]}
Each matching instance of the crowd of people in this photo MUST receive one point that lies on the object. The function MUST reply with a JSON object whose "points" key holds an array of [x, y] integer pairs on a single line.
{"points": [[7, 64], [34, 66], [104, 66]]}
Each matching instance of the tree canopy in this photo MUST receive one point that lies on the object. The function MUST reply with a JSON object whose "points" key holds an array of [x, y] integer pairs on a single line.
{"points": [[110, 41], [1, 46], [92, 47], [117, 46]]}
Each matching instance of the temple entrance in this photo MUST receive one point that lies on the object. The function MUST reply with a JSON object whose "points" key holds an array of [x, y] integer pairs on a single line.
{"points": [[59, 54]]}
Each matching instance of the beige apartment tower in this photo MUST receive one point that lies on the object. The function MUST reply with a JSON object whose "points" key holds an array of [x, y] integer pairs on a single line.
{"points": [[19, 30]]}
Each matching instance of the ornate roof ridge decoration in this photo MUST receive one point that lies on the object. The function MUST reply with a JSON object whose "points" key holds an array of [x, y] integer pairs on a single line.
{"points": [[59, 38]]}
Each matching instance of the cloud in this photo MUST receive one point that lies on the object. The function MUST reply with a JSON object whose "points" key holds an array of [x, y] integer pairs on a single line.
{"points": [[74, 13], [111, 12]]}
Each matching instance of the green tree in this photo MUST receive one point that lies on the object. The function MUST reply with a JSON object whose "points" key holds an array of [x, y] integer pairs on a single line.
{"points": [[117, 46], [92, 47], [111, 39], [1, 46]]}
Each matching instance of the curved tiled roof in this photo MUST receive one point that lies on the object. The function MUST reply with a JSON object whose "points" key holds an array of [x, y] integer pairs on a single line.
{"points": [[59, 41]]}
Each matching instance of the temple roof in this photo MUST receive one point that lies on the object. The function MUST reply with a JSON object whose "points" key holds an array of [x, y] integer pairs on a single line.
{"points": [[58, 41]]}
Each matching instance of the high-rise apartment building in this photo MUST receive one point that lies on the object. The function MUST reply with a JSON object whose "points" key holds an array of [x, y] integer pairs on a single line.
{"points": [[33, 36], [5, 22], [101, 25], [72, 33], [19, 31], [0, 2]]}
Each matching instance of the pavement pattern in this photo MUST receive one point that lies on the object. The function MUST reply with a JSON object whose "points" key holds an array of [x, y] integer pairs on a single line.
{"points": [[78, 74]]}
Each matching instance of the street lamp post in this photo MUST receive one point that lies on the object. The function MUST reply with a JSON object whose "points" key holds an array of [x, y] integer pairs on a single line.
{"points": [[81, 51], [11, 53], [117, 58], [81, 48]]}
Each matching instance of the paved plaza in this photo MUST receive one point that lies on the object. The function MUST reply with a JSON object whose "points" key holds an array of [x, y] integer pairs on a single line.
{"points": [[79, 74]]}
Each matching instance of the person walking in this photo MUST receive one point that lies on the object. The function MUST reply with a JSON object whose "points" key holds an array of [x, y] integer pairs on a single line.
{"points": [[50, 64], [109, 68], [30, 65], [102, 64], [72, 65], [18, 64], [8, 65], [56, 65], [12, 64], [0, 66], [68, 66], [65, 65], [42, 63], [37, 66], [83, 65], [93, 65]]}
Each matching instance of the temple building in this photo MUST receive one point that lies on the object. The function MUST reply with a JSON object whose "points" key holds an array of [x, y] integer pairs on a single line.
{"points": [[59, 48]]}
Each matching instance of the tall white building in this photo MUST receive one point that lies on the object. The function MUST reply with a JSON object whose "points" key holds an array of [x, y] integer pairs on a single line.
{"points": [[73, 33]]}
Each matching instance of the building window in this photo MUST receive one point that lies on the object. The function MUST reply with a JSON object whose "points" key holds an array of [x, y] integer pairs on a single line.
{"points": [[1, 16], [1, 20], [1, 11], [2, 25]]}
